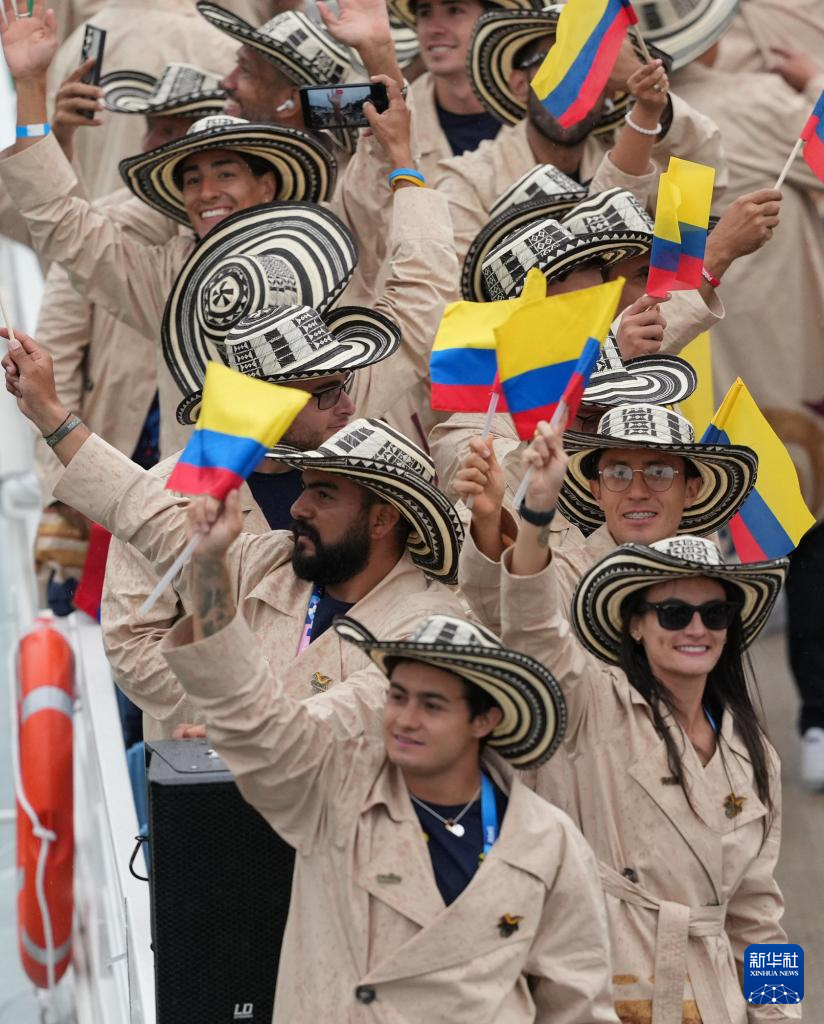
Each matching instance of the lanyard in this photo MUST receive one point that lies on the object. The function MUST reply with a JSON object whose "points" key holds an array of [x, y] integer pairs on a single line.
{"points": [[489, 813], [309, 624], [711, 720]]}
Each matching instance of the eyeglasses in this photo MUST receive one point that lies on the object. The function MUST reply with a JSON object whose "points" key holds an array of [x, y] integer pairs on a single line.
{"points": [[328, 398], [619, 477], [531, 62], [678, 614]]}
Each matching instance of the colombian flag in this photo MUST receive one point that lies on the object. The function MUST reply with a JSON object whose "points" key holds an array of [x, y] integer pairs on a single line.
{"points": [[463, 365], [548, 348], [240, 419], [681, 221], [813, 136], [574, 75], [774, 517]]}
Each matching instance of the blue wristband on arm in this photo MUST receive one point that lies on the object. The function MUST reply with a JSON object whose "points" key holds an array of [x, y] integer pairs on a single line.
{"points": [[32, 131]]}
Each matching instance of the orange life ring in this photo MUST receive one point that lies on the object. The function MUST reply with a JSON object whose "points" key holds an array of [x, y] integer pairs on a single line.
{"points": [[44, 720]]}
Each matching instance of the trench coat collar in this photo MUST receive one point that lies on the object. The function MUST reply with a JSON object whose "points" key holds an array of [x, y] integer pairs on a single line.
{"points": [[474, 916]]}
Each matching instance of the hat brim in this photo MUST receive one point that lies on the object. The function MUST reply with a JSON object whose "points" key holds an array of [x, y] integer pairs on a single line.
{"points": [[361, 337], [728, 474], [699, 30], [312, 242], [532, 703], [497, 39], [653, 380], [304, 170], [435, 543], [599, 597], [130, 92]]}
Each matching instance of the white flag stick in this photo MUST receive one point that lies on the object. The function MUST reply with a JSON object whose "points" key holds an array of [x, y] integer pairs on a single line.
{"points": [[6, 319], [642, 43], [559, 416], [490, 412], [170, 574], [786, 169]]}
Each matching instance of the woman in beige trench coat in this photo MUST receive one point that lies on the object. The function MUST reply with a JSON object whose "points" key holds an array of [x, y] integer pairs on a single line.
{"points": [[665, 767]]}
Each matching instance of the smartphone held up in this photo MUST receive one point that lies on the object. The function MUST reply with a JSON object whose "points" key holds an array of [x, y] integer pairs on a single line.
{"points": [[94, 42], [341, 106]]}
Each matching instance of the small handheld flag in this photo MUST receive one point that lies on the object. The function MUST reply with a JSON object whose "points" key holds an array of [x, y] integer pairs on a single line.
{"points": [[813, 136], [539, 348], [463, 365], [574, 74], [240, 419], [774, 517], [682, 218]]}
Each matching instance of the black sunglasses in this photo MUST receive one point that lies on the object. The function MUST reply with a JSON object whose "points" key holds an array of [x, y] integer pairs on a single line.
{"points": [[678, 614]]}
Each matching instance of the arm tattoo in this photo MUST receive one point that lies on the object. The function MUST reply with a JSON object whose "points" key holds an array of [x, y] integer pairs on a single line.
{"points": [[212, 600], [543, 536]]}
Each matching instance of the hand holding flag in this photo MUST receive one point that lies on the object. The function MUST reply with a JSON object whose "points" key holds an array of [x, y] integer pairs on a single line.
{"points": [[240, 420], [682, 218]]}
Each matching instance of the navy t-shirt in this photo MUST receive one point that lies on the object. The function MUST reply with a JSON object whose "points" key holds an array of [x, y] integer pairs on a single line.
{"points": [[466, 131], [276, 493], [455, 859], [326, 611]]}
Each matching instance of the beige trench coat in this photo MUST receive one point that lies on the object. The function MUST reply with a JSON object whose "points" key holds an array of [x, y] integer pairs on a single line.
{"points": [[762, 24], [141, 35], [774, 343], [364, 880], [687, 891], [133, 280], [135, 507], [429, 142]]}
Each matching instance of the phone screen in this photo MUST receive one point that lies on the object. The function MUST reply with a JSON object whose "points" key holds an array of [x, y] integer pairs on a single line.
{"points": [[340, 106]]}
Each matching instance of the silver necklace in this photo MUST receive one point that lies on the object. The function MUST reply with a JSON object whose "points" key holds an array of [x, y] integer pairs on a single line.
{"points": [[452, 825]]}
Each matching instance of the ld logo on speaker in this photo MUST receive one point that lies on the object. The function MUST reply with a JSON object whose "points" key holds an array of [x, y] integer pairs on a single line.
{"points": [[774, 973]]}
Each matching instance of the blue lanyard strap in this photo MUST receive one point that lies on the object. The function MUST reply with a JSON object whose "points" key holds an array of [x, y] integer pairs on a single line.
{"points": [[489, 813], [309, 624], [711, 720]]}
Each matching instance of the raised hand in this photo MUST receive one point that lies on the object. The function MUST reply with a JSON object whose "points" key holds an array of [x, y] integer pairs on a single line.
{"points": [[75, 97], [641, 331], [359, 23], [547, 460], [391, 128], [29, 40], [746, 225], [218, 524], [649, 85], [30, 378], [481, 478]]}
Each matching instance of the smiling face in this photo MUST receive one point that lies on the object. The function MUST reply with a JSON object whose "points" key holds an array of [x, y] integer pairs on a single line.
{"points": [[677, 655], [218, 182], [444, 29], [257, 89], [639, 514], [427, 726]]}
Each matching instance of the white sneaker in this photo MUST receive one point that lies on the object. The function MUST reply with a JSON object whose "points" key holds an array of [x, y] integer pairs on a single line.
{"points": [[812, 758]]}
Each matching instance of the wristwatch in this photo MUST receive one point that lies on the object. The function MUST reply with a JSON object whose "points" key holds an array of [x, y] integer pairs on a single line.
{"points": [[536, 518]]}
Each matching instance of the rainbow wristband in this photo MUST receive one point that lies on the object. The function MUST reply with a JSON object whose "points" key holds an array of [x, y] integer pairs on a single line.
{"points": [[406, 173], [32, 131]]}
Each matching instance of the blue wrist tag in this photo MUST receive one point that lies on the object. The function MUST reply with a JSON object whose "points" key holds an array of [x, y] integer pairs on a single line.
{"points": [[32, 131]]}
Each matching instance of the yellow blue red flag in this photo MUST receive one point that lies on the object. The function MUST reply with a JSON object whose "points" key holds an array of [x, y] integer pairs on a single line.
{"points": [[774, 517], [574, 75], [682, 218], [546, 349], [240, 419], [813, 136]]}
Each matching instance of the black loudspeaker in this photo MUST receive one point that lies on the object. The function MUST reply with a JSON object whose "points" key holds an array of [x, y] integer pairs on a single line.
{"points": [[220, 882]]}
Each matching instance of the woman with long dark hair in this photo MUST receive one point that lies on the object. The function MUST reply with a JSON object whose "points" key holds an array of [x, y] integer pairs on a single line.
{"points": [[666, 767]]}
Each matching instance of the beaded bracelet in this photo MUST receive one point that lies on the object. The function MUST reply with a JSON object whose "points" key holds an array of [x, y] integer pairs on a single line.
{"points": [[642, 131], [32, 131]]}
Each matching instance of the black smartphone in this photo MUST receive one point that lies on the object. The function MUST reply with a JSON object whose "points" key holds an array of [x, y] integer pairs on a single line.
{"points": [[94, 42], [340, 106]]}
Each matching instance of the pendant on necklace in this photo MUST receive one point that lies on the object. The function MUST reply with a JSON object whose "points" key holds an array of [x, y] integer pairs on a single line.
{"points": [[456, 828]]}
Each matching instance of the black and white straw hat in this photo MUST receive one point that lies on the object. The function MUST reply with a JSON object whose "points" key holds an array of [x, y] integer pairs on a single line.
{"points": [[728, 472], [182, 90], [380, 458], [271, 255], [544, 181], [304, 170], [404, 10], [405, 40], [299, 47], [534, 711], [498, 38], [685, 28], [287, 343], [615, 211], [598, 605], [651, 380], [544, 243]]}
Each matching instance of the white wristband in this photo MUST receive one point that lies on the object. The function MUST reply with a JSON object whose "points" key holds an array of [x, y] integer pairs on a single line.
{"points": [[642, 131]]}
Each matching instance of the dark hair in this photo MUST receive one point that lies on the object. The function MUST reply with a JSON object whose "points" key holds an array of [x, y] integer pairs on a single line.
{"points": [[488, 5], [727, 689], [256, 164], [402, 528], [589, 464], [477, 698]]}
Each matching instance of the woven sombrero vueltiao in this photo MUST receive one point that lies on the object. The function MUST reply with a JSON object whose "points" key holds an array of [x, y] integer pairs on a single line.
{"points": [[182, 90], [304, 169], [280, 344], [685, 28], [728, 472], [405, 41], [380, 458], [498, 38], [651, 380], [270, 255], [533, 706], [598, 602]]}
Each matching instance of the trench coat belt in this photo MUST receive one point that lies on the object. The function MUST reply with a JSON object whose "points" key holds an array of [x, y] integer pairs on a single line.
{"points": [[675, 955]]}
